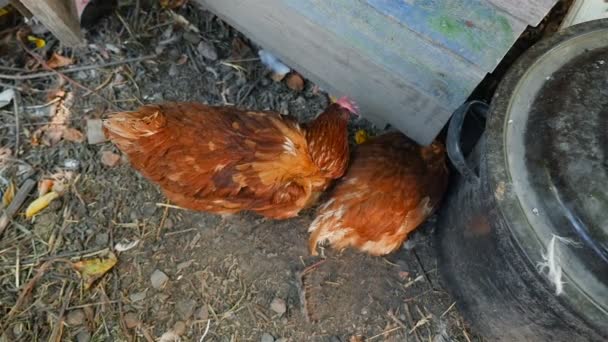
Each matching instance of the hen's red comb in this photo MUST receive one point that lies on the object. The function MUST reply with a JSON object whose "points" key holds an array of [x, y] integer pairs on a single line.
{"points": [[348, 104]]}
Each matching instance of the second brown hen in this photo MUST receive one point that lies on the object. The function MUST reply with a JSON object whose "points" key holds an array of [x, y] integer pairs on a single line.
{"points": [[225, 160], [391, 187]]}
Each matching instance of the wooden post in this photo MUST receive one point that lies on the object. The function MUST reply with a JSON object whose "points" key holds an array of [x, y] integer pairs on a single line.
{"points": [[59, 17]]}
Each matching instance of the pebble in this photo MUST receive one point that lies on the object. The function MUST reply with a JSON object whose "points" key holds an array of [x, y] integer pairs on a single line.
{"points": [[75, 317], [185, 308], [207, 50], [266, 337], [131, 320], [278, 305], [148, 209], [136, 297], [192, 37], [179, 328], [158, 279], [83, 336], [282, 339], [202, 313], [101, 239]]}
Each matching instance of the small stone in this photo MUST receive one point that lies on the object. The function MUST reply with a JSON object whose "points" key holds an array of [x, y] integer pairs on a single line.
{"points": [[101, 239], [158, 279], [278, 305], [207, 50], [282, 339], [109, 158], [17, 329], [136, 297], [95, 133], [131, 320], [185, 308], [173, 70], [179, 328], [192, 37], [83, 336], [266, 337], [148, 209], [202, 313], [75, 317], [295, 82]]}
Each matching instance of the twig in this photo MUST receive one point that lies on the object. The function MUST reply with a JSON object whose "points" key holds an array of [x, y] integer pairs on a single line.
{"points": [[74, 69], [17, 202], [162, 222], [426, 276], [253, 86], [166, 205], [58, 328], [383, 333], [69, 255], [27, 289], [397, 320], [17, 128], [206, 331], [448, 310]]}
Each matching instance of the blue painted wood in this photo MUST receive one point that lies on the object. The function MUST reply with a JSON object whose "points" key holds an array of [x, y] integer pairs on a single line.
{"points": [[410, 63], [473, 29], [434, 71]]}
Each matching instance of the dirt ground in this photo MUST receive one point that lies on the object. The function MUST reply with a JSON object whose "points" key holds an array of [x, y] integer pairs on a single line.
{"points": [[180, 275]]}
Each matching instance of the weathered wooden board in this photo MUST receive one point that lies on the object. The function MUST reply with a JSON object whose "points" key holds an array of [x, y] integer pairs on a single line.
{"points": [[529, 11], [410, 63], [475, 30], [388, 44], [59, 17]]}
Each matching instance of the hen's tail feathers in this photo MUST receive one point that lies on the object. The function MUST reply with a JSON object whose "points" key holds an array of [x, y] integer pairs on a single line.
{"points": [[145, 122]]}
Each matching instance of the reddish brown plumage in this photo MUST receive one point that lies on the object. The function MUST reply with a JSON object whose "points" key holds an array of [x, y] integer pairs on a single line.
{"points": [[390, 188], [225, 160]]}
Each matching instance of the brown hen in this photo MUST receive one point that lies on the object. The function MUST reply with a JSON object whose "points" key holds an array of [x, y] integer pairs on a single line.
{"points": [[224, 160], [390, 188]]}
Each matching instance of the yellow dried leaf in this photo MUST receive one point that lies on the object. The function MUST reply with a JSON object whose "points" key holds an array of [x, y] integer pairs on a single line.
{"points": [[9, 194], [40, 43], [361, 136], [92, 269], [40, 203]]}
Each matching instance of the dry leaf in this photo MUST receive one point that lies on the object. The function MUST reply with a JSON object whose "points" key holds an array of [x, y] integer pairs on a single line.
{"points": [[295, 82], [44, 186], [361, 136], [109, 159], [40, 204], [72, 134], [58, 61], [9, 194], [92, 269]]}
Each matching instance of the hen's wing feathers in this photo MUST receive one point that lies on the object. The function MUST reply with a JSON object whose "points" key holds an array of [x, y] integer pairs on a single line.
{"points": [[192, 150], [384, 195]]}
